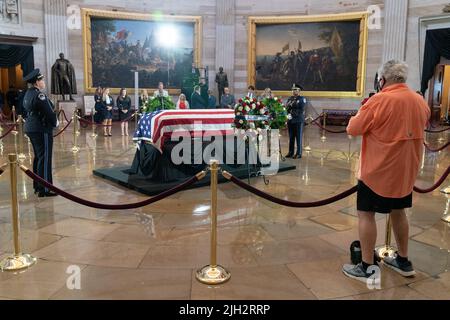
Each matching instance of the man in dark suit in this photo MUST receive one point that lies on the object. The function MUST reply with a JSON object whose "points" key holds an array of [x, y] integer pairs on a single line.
{"points": [[228, 100], [41, 119], [212, 102], [197, 101]]}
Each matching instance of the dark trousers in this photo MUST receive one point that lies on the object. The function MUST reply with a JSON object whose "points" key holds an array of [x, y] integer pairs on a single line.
{"points": [[295, 133], [42, 164]]}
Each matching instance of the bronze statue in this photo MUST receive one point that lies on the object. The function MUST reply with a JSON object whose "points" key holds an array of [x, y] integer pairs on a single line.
{"points": [[63, 78], [222, 82]]}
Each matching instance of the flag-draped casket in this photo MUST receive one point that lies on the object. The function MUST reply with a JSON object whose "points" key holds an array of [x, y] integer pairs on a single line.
{"points": [[157, 127]]}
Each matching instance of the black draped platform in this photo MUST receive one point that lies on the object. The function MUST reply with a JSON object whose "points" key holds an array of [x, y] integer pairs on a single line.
{"points": [[153, 172]]}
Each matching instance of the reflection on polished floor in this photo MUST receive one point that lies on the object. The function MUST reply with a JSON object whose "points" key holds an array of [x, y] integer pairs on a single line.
{"points": [[272, 252]]}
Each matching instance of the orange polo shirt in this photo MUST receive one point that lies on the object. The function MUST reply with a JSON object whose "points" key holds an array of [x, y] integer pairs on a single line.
{"points": [[392, 125]]}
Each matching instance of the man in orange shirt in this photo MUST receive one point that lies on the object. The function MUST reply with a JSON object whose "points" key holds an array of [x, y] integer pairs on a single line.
{"points": [[392, 125]]}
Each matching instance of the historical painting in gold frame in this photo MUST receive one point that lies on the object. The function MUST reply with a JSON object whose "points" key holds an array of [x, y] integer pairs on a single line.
{"points": [[325, 54], [116, 44]]}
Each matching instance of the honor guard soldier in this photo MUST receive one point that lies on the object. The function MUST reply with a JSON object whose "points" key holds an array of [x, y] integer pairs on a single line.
{"points": [[296, 105], [40, 121]]}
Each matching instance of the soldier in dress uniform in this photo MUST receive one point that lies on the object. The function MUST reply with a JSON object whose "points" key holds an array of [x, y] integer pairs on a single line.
{"points": [[296, 105], [41, 119]]}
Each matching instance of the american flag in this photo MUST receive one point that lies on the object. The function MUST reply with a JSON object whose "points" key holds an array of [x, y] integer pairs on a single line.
{"points": [[155, 127]]}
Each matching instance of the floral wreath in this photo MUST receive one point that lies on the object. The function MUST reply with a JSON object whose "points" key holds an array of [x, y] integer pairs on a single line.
{"points": [[250, 107], [277, 112]]}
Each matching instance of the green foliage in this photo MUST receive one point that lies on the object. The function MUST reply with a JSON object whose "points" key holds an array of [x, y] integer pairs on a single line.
{"points": [[277, 112], [154, 104]]}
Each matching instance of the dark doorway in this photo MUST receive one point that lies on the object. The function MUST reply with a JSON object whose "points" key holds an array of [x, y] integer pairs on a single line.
{"points": [[15, 62]]}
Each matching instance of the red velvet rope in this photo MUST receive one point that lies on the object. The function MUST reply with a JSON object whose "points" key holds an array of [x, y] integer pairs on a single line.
{"points": [[324, 202], [63, 129], [293, 204], [314, 120], [328, 130], [8, 131], [436, 150], [436, 185], [93, 123], [64, 114], [437, 131], [97, 205]]}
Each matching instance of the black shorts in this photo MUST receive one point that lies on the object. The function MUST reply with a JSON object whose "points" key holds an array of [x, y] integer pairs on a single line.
{"points": [[367, 200]]}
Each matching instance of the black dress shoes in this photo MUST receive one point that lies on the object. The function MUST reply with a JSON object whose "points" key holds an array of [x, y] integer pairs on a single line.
{"points": [[297, 156], [47, 194], [288, 156]]}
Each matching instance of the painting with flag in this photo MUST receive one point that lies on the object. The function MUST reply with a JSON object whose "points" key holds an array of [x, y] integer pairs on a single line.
{"points": [[324, 54]]}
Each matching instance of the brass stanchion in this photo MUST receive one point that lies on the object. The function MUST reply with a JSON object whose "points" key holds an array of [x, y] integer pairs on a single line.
{"points": [[349, 157], [213, 273], [306, 136], [324, 138], [18, 260], [446, 215], [75, 147], [21, 155], [93, 134], [387, 250], [14, 131], [446, 190]]}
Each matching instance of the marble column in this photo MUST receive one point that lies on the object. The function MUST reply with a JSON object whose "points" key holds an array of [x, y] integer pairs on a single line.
{"points": [[395, 29], [56, 36], [225, 37]]}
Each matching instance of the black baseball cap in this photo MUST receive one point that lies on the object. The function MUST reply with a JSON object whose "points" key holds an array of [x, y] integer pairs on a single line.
{"points": [[33, 76]]}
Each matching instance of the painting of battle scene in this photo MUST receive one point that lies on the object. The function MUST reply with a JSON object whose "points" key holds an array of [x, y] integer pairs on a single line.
{"points": [[320, 56], [121, 46]]}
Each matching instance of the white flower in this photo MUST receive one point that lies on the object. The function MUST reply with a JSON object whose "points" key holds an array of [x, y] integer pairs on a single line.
{"points": [[241, 121], [261, 111], [276, 99], [238, 113], [240, 108], [247, 109], [253, 106], [258, 103]]}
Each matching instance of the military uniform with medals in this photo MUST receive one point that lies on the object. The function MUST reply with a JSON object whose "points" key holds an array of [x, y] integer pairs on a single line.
{"points": [[296, 119], [40, 121]]}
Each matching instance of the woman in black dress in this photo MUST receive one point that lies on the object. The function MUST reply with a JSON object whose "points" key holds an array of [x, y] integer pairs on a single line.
{"points": [[124, 104], [108, 103], [99, 114]]}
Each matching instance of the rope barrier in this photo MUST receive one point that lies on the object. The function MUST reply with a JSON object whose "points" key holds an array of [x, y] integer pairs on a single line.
{"points": [[93, 123], [320, 203], [328, 130], [437, 131], [64, 114], [436, 185], [97, 205], [288, 203], [436, 150], [2, 168], [313, 120], [8, 131], [63, 129]]}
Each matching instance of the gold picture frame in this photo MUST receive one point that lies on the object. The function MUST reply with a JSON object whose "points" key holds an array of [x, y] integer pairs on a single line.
{"points": [[87, 13], [253, 22]]}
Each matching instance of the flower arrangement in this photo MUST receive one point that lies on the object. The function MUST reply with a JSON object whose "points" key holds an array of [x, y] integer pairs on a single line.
{"points": [[158, 103], [250, 107], [277, 112]]}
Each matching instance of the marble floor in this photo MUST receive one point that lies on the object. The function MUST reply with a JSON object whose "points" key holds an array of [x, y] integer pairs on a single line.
{"points": [[272, 252]]}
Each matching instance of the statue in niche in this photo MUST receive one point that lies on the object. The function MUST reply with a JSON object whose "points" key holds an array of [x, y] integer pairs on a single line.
{"points": [[446, 8], [63, 78]]}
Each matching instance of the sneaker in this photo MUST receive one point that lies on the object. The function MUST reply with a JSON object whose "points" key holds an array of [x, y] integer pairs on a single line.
{"points": [[356, 272], [404, 268]]}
